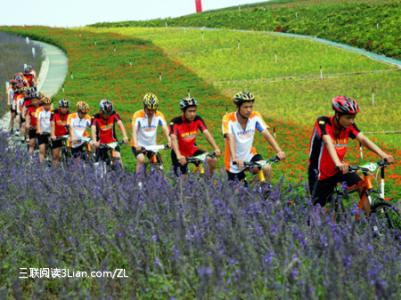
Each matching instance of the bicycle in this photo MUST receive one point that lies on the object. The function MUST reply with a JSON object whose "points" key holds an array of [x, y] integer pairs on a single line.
{"points": [[104, 162], [382, 213], [153, 152], [199, 161], [86, 154], [262, 186], [65, 151]]}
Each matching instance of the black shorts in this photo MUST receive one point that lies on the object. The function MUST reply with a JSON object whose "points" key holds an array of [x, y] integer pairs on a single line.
{"points": [[322, 189], [241, 175], [13, 110], [77, 151], [177, 165], [149, 154], [43, 138], [32, 133], [57, 143]]}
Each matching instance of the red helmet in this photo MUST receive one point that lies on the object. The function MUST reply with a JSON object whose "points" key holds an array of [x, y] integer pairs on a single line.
{"points": [[345, 105]]}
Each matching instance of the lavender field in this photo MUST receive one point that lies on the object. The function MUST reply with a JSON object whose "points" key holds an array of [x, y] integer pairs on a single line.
{"points": [[204, 239]]}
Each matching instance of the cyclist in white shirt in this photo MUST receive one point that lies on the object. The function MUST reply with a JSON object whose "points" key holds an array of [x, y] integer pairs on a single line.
{"points": [[78, 124], [239, 129], [144, 130], [43, 129]]}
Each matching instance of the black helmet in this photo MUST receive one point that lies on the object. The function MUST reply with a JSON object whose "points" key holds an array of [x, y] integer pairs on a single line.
{"points": [[106, 106], [187, 102]]}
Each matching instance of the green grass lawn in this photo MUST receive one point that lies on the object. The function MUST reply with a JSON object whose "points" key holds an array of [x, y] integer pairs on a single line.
{"points": [[284, 74]]}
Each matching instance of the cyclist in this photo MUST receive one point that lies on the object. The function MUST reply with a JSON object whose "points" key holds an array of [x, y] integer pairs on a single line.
{"points": [[183, 132], [29, 75], [328, 147], [58, 129], [31, 121], [103, 128], [11, 103], [78, 124], [239, 128], [144, 130], [43, 128], [19, 94], [25, 102]]}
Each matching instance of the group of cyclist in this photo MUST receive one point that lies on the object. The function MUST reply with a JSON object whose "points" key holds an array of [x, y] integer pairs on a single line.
{"points": [[43, 126]]}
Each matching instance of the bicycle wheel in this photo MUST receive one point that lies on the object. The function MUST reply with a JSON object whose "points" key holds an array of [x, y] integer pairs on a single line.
{"points": [[386, 215]]}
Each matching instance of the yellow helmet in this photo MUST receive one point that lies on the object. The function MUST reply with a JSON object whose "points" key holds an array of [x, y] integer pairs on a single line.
{"points": [[45, 100], [83, 107], [151, 101]]}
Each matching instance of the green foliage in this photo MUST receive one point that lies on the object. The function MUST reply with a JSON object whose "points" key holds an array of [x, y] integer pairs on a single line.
{"points": [[369, 24]]}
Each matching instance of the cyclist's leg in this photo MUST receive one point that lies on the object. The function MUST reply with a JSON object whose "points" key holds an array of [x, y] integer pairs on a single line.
{"points": [[236, 176], [32, 140], [56, 152], [177, 166], [322, 189], [140, 160], [42, 141], [117, 162]]}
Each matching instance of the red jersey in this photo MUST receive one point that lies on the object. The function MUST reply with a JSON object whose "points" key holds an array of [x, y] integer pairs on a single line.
{"points": [[29, 79], [320, 162], [105, 129], [60, 123], [32, 113], [186, 132]]}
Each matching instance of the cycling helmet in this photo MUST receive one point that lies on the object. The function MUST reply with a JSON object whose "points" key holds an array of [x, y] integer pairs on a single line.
{"points": [[345, 105], [242, 97], [187, 102], [46, 100], [63, 103], [106, 106], [30, 93], [28, 69], [82, 106], [151, 101]]}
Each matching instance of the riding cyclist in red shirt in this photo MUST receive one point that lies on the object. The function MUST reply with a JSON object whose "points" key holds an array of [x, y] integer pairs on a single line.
{"points": [[328, 146], [183, 131], [103, 128]]}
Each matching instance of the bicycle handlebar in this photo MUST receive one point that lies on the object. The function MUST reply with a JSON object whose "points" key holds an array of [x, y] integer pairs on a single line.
{"points": [[201, 158], [260, 163]]}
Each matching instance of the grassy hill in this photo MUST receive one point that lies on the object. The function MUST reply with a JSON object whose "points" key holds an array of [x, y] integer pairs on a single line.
{"points": [[369, 24]]}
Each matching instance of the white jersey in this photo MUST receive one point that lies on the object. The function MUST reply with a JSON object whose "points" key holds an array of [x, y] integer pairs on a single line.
{"points": [[43, 116], [147, 132], [78, 127], [243, 138]]}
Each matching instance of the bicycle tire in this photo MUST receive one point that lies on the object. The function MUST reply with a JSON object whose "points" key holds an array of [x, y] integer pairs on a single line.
{"points": [[386, 215]]}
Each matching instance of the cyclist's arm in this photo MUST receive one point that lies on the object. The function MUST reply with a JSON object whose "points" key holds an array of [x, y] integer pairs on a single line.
{"points": [[93, 129], [231, 144], [122, 127], [38, 124], [134, 135], [28, 120], [332, 150], [211, 141], [365, 141], [8, 98], [272, 141], [166, 133], [53, 129], [174, 143]]}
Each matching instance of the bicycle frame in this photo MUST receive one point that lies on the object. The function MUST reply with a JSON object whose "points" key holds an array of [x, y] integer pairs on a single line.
{"points": [[367, 181]]}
